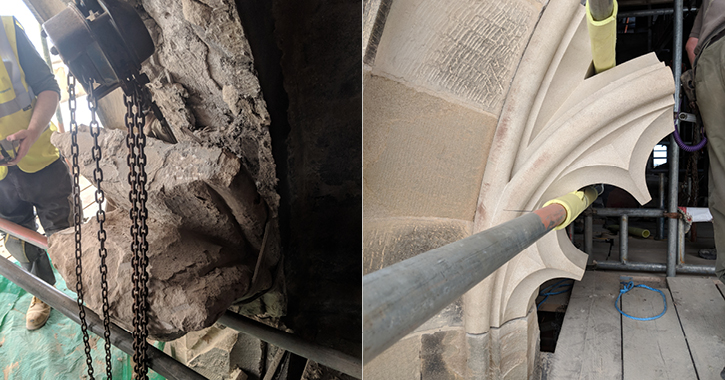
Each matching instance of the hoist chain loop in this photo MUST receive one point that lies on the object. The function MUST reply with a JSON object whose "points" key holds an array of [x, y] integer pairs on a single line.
{"points": [[136, 141], [77, 219], [137, 179], [100, 196]]}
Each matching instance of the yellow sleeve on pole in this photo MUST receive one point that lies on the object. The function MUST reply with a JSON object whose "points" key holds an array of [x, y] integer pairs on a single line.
{"points": [[603, 38], [574, 203]]}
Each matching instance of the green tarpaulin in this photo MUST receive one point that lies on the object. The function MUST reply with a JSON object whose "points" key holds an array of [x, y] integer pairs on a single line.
{"points": [[55, 351]]}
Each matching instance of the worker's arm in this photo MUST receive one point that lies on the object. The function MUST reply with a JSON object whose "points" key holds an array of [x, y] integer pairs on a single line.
{"points": [[694, 38], [39, 77], [37, 73], [690, 47], [43, 111]]}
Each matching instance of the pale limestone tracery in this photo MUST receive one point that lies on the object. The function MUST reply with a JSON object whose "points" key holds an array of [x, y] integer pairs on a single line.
{"points": [[558, 130], [570, 132]]}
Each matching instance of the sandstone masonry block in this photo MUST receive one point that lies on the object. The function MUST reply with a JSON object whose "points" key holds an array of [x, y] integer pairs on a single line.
{"points": [[206, 228]]}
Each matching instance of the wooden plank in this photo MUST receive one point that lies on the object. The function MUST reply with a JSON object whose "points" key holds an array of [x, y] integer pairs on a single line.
{"points": [[589, 345], [88, 199], [701, 309], [653, 349], [83, 183]]}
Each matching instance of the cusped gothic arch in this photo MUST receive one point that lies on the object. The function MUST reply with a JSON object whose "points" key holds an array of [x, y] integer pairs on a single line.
{"points": [[562, 128]]}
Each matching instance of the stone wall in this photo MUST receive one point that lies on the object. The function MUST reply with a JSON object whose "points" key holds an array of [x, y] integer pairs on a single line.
{"points": [[436, 76]]}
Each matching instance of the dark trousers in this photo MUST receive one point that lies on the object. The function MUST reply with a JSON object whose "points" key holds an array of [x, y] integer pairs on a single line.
{"points": [[49, 192], [710, 87]]}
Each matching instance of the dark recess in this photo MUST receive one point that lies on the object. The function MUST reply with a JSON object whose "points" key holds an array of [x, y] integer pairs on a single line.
{"points": [[307, 55]]}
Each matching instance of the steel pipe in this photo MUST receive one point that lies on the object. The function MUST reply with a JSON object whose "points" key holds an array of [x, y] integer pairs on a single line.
{"points": [[680, 241], [674, 161], [633, 212], [601, 9], [22, 233], [655, 267], [651, 12], [623, 238], [323, 355], [588, 233], [399, 298], [661, 221], [163, 364]]}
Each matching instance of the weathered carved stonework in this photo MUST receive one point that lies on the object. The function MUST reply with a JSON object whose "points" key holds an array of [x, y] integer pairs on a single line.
{"points": [[203, 78], [207, 225]]}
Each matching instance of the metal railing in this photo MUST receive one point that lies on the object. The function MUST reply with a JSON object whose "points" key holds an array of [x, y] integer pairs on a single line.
{"points": [[676, 239], [163, 364], [678, 265], [652, 12]]}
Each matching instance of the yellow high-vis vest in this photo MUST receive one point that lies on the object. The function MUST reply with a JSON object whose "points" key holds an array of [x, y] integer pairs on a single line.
{"points": [[16, 104]]}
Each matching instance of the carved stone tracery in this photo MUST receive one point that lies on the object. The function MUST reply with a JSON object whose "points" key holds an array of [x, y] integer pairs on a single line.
{"points": [[560, 128]]}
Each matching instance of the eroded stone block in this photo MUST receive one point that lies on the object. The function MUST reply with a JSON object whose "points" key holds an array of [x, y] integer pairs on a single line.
{"points": [[206, 229], [201, 49], [192, 281]]}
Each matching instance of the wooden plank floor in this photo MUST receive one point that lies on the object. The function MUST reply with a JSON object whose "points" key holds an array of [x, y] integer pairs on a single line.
{"points": [[590, 338], [701, 309], [596, 342], [660, 346]]}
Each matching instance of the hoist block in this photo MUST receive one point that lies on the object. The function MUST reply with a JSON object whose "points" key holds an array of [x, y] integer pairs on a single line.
{"points": [[101, 41]]}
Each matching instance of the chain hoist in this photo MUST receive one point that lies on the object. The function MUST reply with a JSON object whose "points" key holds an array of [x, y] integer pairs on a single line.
{"points": [[103, 43], [77, 216], [100, 218], [100, 198], [136, 160]]}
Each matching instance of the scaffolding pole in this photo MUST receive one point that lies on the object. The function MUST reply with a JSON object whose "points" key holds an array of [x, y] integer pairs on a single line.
{"points": [[69, 307], [654, 267], [163, 364], [399, 298], [652, 12], [323, 355], [674, 161]]}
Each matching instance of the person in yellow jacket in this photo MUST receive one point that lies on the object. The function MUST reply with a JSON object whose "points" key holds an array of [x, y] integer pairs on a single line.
{"points": [[36, 180]]}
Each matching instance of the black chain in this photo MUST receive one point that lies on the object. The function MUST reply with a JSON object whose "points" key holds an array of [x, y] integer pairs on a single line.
{"points": [[95, 130], [136, 160], [143, 227], [77, 216]]}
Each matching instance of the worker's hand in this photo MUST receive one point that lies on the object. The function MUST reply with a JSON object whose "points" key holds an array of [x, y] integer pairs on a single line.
{"points": [[26, 139]]}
